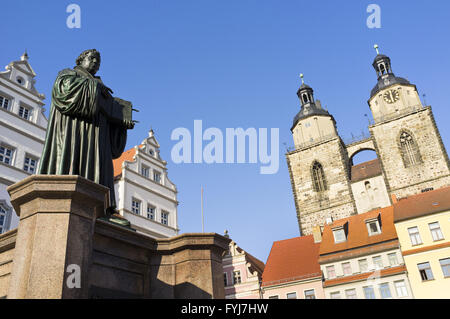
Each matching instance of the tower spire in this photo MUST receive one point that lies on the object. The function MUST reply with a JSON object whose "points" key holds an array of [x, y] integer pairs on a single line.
{"points": [[376, 48]]}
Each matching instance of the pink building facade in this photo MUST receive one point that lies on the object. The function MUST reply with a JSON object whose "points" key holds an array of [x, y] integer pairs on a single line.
{"points": [[242, 274]]}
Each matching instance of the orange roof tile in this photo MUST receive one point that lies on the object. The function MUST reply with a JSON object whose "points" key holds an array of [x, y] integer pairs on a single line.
{"points": [[365, 170], [357, 234], [126, 156], [422, 204], [292, 259]]}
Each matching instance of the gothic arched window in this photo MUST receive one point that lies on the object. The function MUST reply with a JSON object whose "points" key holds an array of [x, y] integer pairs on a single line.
{"points": [[409, 149], [318, 177]]}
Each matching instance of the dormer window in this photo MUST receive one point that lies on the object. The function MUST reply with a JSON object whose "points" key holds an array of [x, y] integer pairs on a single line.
{"points": [[339, 235], [151, 152], [20, 80], [373, 226]]}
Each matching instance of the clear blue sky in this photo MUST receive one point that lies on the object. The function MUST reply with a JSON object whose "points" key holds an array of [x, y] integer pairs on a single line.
{"points": [[235, 64]]}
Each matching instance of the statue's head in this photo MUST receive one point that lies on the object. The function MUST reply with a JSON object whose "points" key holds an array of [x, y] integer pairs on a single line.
{"points": [[89, 60]]}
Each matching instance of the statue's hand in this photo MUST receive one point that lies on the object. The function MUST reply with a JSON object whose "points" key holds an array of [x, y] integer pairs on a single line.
{"points": [[106, 91], [129, 124]]}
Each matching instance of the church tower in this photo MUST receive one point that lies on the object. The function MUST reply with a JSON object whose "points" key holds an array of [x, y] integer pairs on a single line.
{"points": [[318, 166], [413, 157]]}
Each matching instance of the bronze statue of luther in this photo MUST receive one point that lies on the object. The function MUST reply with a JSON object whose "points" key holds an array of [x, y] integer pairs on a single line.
{"points": [[87, 127]]}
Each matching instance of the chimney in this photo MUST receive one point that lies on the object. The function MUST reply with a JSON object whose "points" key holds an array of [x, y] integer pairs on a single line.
{"points": [[317, 234]]}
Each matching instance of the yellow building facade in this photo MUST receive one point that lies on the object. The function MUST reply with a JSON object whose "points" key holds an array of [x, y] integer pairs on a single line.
{"points": [[422, 223]]}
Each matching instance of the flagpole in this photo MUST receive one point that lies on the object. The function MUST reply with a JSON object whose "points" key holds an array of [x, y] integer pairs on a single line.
{"points": [[203, 224]]}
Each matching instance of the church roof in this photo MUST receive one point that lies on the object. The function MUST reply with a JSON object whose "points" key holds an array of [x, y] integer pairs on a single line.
{"points": [[306, 112], [391, 79], [365, 170]]}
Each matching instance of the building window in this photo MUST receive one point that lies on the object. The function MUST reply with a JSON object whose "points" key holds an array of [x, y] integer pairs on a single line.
{"points": [[339, 235], [369, 292], [291, 295], [273, 297], [414, 235], [164, 218], [425, 271], [237, 277], [385, 292], [331, 272], [351, 294], [335, 295], [400, 288], [310, 294], [225, 279], [377, 262], [145, 171], [30, 164], [363, 266], [151, 152], [136, 206], [25, 113], [157, 177], [393, 259], [6, 154], [409, 150], [445, 265], [346, 269], [435, 230], [2, 219], [4, 102], [151, 210], [373, 227], [318, 177]]}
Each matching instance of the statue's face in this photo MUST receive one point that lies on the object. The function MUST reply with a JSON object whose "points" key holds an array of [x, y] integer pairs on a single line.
{"points": [[91, 63]]}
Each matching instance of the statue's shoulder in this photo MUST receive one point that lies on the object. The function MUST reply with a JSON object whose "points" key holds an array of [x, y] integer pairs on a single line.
{"points": [[66, 72]]}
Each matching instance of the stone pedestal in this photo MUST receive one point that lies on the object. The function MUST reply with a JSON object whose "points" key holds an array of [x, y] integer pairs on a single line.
{"points": [[57, 217], [61, 237]]}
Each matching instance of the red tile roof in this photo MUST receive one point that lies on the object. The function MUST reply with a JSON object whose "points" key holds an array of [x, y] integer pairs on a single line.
{"points": [[126, 156], [422, 204], [357, 234], [365, 170], [292, 259]]}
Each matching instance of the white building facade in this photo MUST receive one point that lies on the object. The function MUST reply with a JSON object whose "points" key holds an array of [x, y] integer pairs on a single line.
{"points": [[145, 195], [22, 132]]}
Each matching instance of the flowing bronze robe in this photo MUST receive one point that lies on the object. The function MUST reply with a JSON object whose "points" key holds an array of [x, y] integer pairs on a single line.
{"points": [[80, 139]]}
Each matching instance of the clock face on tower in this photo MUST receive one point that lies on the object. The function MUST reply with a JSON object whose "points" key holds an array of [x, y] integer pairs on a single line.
{"points": [[391, 96]]}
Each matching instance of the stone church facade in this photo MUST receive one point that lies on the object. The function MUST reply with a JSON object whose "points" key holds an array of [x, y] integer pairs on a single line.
{"points": [[411, 157]]}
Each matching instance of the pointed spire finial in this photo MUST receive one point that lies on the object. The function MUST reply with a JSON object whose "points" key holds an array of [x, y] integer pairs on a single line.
{"points": [[301, 76], [24, 56], [376, 48]]}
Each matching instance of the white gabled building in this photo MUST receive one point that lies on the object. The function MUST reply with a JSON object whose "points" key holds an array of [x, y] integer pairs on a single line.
{"points": [[22, 132], [145, 195]]}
